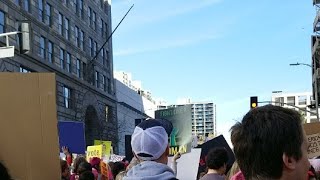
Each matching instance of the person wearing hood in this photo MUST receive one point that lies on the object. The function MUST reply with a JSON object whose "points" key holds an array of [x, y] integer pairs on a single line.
{"points": [[150, 146]]}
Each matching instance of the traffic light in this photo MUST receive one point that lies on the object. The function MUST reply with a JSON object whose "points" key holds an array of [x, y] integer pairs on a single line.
{"points": [[253, 102], [24, 37]]}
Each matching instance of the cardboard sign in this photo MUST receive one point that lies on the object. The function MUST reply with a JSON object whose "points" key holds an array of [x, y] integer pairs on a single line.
{"points": [[106, 150], [313, 136], [314, 145], [104, 170], [28, 130], [94, 151]]}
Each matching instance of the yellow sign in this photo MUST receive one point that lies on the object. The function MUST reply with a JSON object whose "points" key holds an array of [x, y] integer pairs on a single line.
{"points": [[106, 147], [94, 151]]}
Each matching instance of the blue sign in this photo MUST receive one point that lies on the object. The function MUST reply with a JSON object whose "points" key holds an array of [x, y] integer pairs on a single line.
{"points": [[71, 134]]}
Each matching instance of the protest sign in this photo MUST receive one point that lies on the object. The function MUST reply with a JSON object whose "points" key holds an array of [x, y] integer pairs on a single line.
{"points": [[106, 150], [313, 137], [94, 151], [181, 135], [104, 170], [28, 130], [116, 158], [71, 134]]}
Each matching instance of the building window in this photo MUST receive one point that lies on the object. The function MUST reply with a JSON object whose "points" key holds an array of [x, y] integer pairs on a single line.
{"points": [[67, 97], [60, 23], [24, 70], [48, 18], [107, 59], [66, 25], [291, 101], [97, 79], [2, 22], [40, 10], [101, 24], [76, 36], [104, 83], [17, 2], [62, 58], [42, 47], [101, 3], [81, 35], [302, 100], [84, 67], [78, 64], [109, 86], [91, 46], [95, 47], [50, 51], [102, 56], [105, 33], [68, 62], [89, 16], [94, 24], [79, 7], [26, 4]]}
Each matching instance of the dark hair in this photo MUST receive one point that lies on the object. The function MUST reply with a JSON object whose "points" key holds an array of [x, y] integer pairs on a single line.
{"points": [[4, 174], [63, 165], [84, 166], [77, 162], [216, 158], [263, 136], [117, 167], [86, 175]]}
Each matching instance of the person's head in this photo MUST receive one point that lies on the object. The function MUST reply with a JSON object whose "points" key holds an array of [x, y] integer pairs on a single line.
{"points": [[65, 170], [77, 162], [95, 163], [217, 159], [4, 174], [270, 143], [117, 167], [86, 175], [150, 140], [84, 166]]}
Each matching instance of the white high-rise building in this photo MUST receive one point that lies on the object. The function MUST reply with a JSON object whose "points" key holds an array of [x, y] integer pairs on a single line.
{"points": [[296, 101]]}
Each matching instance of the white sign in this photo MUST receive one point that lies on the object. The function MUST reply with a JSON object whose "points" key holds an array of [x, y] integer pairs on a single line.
{"points": [[6, 52]]}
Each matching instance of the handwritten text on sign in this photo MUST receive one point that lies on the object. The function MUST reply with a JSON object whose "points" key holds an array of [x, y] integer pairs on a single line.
{"points": [[314, 145], [94, 151]]}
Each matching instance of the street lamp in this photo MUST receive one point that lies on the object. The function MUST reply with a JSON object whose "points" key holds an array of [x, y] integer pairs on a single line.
{"points": [[298, 64], [315, 89]]}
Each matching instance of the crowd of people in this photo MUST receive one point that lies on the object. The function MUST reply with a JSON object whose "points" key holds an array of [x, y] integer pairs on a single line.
{"points": [[268, 143]]}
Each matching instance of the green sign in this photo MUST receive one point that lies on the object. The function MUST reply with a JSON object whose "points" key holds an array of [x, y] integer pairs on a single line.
{"points": [[181, 135]]}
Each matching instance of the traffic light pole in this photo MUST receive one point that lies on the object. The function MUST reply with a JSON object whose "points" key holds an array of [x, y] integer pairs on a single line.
{"points": [[269, 102]]}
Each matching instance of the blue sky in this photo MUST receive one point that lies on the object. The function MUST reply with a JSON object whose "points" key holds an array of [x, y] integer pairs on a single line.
{"points": [[219, 50]]}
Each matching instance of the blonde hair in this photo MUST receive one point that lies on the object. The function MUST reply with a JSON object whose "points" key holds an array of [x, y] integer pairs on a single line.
{"points": [[133, 162], [233, 170], [121, 175]]}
